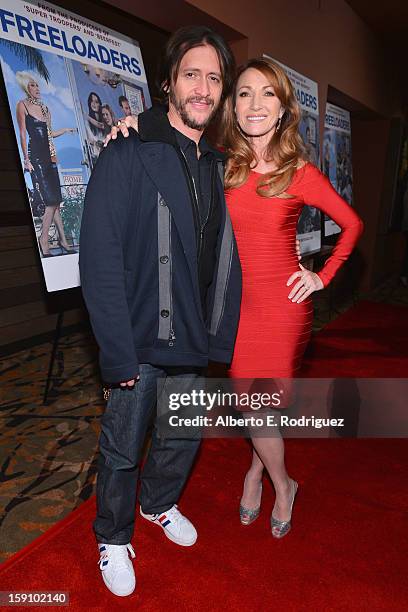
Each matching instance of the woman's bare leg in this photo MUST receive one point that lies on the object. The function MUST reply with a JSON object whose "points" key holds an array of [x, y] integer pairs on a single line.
{"points": [[46, 223], [60, 227], [251, 493], [271, 452]]}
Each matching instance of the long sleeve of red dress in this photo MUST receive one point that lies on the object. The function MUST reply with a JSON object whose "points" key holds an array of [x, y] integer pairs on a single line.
{"points": [[316, 190]]}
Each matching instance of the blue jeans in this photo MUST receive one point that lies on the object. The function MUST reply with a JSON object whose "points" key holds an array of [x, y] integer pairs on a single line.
{"points": [[128, 414]]}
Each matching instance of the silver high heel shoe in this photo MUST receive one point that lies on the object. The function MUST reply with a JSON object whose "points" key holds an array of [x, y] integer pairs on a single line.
{"points": [[282, 528], [248, 516]]}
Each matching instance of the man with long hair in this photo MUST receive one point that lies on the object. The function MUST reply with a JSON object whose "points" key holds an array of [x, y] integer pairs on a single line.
{"points": [[161, 279]]}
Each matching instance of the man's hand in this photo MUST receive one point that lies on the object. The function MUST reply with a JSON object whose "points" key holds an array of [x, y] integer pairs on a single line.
{"points": [[130, 383], [122, 125]]}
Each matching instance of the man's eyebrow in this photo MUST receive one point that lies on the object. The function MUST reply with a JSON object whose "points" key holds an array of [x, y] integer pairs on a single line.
{"points": [[218, 74]]}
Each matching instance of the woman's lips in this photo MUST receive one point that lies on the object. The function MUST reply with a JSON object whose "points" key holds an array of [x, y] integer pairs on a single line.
{"points": [[256, 118]]}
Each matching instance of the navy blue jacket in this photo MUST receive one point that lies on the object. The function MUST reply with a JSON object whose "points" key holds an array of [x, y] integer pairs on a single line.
{"points": [[138, 260]]}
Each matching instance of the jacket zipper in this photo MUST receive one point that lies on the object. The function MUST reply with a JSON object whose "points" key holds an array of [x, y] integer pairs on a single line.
{"points": [[194, 198], [210, 207]]}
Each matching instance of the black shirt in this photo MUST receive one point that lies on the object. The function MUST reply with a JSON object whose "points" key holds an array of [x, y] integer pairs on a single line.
{"points": [[200, 168], [204, 173]]}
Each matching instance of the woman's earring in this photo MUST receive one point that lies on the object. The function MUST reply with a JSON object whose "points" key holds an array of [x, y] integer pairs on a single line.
{"points": [[279, 123]]}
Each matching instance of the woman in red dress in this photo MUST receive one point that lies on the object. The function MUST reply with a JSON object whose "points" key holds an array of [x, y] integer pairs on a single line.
{"points": [[268, 181]]}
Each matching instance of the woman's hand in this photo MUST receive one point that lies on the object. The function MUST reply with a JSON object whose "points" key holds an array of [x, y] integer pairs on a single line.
{"points": [[28, 167], [123, 124], [308, 283], [298, 253]]}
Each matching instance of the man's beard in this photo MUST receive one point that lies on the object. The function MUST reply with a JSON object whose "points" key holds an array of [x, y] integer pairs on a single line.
{"points": [[180, 106]]}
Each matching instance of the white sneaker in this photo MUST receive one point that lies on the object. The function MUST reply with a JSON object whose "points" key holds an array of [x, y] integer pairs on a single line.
{"points": [[117, 569], [175, 525]]}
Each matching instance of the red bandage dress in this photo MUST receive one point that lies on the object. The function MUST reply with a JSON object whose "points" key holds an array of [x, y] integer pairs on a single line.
{"points": [[273, 331]]}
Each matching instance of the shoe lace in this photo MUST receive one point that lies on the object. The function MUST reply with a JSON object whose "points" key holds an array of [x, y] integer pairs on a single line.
{"points": [[118, 555], [175, 515]]}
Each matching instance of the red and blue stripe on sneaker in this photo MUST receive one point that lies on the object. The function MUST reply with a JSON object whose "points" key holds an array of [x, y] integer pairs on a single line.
{"points": [[103, 560], [164, 521]]}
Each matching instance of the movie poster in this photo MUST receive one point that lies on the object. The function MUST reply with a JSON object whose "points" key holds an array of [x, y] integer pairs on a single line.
{"points": [[309, 225], [68, 80], [336, 157], [395, 190]]}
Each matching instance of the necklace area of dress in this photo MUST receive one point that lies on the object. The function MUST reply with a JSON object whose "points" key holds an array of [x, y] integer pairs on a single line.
{"points": [[46, 115]]}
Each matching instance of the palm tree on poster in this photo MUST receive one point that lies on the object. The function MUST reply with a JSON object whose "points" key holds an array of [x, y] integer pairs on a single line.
{"points": [[31, 56]]}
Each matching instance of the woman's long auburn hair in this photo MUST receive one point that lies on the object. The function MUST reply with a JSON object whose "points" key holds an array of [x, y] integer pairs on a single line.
{"points": [[285, 147]]}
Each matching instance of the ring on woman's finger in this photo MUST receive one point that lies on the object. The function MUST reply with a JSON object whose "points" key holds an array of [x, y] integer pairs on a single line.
{"points": [[118, 123]]}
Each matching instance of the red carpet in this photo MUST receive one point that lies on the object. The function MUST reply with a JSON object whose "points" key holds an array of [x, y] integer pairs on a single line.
{"points": [[347, 550], [370, 340]]}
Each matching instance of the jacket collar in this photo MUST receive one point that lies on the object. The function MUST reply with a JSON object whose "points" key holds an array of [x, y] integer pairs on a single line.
{"points": [[154, 126]]}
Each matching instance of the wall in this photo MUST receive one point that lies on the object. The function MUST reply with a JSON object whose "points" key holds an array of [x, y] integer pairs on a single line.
{"points": [[324, 39]]}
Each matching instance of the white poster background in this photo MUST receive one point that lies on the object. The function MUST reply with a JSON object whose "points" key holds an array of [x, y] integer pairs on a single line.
{"points": [[336, 157], [51, 28], [309, 225], [76, 51]]}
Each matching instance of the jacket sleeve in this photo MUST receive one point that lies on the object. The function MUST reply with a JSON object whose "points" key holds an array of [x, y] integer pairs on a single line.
{"points": [[223, 330], [101, 264]]}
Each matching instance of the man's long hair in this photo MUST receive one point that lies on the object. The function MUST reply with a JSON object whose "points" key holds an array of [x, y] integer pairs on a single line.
{"points": [[285, 147], [187, 38]]}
